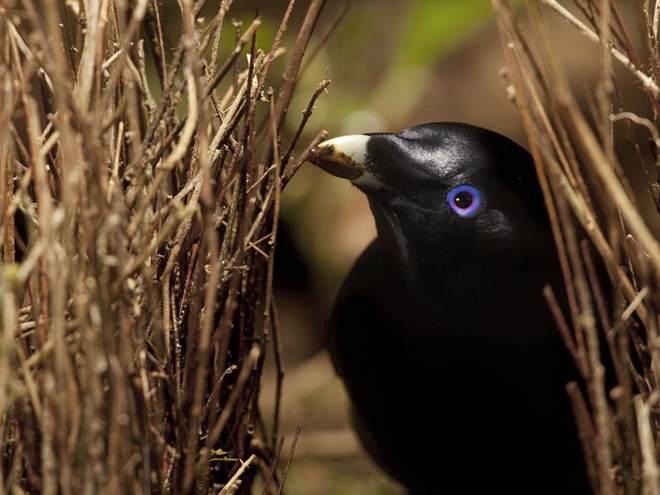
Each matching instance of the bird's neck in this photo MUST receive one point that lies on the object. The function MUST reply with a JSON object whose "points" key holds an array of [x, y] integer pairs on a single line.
{"points": [[392, 244]]}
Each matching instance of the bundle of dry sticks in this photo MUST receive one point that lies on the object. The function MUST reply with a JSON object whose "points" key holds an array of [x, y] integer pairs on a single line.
{"points": [[137, 240], [588, 143]]}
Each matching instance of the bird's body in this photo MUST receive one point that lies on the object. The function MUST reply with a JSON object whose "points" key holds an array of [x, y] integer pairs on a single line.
{"points": [[440, 332]]}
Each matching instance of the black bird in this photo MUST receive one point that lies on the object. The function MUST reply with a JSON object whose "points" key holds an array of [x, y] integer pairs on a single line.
{"points": [[440, 332]]}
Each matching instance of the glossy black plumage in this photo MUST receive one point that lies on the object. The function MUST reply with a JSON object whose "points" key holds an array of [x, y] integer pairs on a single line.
{"points": [[440, 332]]}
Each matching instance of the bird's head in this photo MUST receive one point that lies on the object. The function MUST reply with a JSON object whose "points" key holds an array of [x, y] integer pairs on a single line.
{"points": [[446, 191]]}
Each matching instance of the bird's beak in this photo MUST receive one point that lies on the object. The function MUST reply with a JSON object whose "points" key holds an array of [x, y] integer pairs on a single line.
{"points": [[343, 156]]}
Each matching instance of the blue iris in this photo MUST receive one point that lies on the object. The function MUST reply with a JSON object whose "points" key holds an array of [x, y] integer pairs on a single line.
{"points": [[465, 200]]}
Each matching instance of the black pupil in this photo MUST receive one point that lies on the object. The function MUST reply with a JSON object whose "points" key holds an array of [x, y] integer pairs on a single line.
{"points": [[463, 200]]}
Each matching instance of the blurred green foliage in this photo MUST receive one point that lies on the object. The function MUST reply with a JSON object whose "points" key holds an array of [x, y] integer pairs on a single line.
{"points": [[383, 54], [434, 25]]}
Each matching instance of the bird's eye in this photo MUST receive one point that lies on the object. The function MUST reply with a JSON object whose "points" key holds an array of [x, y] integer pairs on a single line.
{"points": [[465, 200]]}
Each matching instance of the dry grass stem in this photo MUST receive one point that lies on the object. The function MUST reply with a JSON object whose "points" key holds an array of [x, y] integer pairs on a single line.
{"points": [[143, 153]]}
